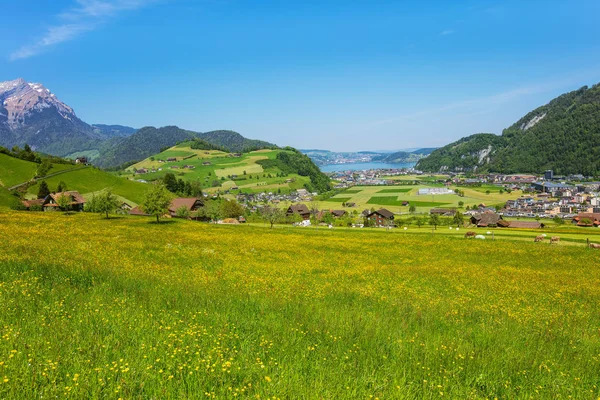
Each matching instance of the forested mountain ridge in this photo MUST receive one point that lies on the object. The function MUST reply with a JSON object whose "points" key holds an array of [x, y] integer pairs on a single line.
{"points": [[563, 135]]}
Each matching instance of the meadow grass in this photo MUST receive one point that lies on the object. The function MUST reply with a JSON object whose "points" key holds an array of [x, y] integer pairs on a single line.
{"points": [[124, 308], [394, 201], [395, 190], [14, 171]]}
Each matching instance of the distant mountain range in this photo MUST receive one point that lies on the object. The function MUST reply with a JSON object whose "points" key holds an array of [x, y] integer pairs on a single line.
{"points": [[326, 157], [563, 135], [32, 114]]}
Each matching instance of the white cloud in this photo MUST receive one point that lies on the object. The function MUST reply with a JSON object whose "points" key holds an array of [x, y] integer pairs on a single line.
{"points": [[86, 16], [447, 32]]}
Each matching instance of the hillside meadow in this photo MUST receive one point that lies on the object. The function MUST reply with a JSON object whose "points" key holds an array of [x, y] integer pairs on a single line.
{"points": [[125, 308], [251, 176]]}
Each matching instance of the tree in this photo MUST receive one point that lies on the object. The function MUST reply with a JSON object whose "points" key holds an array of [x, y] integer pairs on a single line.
{"points": [[183, 212], [43, 190], [195, 188], [170, 182], [106, 202], [434, 220], [458, 219], [157, 201], [232, 209], [272, 214], [43, 168], [412, 209], [62, 187], [213, 210], [461, 204], [64, 202], [558, 220]]}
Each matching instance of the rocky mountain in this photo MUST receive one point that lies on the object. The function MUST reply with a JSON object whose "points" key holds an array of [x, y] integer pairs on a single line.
{"points": [[563, 135], [31, 113]]}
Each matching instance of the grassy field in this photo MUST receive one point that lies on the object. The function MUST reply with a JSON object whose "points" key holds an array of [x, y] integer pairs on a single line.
{"points": [[90, 180], [124, 308], [14, 171], [251, 177], [392, 198]]}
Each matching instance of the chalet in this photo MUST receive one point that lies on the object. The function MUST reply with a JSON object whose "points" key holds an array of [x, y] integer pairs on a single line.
{"points": [[81, 160], [140, 171], [77, 202], [338, 213], [137, 211], [405, 203], [189, 166], [299, 209], [206, 163], [381, 217], [191, 204], [172, 159], [485, 219], [593, 218], [126, 207]]}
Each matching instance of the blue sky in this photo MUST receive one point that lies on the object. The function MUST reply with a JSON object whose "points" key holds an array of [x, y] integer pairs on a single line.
{"points": [[340, 75]]}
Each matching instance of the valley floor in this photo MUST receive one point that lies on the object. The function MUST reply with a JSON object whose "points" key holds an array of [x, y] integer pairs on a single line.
{"points": [[125, 308]]}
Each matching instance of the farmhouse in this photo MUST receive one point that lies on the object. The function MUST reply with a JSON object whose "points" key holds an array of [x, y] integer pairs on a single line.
{"points": [[381, 217], [189, 203], [33, 203], [520, 224], [299, 209], [206, 163], [582, 219], [484, 219], [172, 159], [77, 202]]}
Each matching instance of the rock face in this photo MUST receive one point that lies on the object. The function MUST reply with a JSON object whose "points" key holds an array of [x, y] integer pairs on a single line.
{"points": [[30, 113]]}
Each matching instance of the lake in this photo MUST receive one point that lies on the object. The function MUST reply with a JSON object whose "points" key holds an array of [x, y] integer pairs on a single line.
{"points": [[364, 166]]}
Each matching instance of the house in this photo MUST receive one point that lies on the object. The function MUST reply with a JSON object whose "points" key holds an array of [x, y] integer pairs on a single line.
{"points": [[191, 204], [520, 224], [299, 209], [76, 203], [141, 171], [484, 219], [302, 192], [172, 159], [35, 203], [405, 203], [137, 211], [381, 217], [594, 219], [206, 163], [338, 213], [81, 160]]}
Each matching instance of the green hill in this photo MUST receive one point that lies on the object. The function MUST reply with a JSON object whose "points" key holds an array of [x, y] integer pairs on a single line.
{"points": [[259, 170], [14, 171], [562, 135], [90, 180], [233, 141]]}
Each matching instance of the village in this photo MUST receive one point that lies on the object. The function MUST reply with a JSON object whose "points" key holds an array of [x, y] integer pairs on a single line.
{"points": [[543, 198]]}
